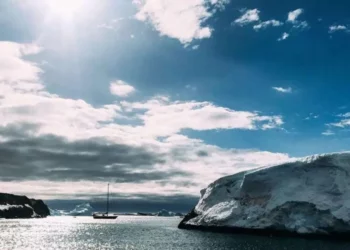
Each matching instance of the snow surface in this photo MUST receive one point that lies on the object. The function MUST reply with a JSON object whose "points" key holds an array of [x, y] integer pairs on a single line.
{"points": [[7, 206], [310, 195]]}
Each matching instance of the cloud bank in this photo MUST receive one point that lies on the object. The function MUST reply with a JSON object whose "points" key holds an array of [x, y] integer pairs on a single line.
{"points": [[57, 147]]}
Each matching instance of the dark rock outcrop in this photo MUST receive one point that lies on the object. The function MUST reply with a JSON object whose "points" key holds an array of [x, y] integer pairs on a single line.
{"points": [[15, 206]]}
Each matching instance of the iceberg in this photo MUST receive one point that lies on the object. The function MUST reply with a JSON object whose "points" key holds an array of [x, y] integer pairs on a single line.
{"points": [[84, 209], [57, 212], [164, 213], [310, 196]]}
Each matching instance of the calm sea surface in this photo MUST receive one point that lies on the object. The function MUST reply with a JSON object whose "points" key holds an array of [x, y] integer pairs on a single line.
{"points": [[129, 232]]}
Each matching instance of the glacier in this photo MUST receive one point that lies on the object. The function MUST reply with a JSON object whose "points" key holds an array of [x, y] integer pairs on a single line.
{"points": [[309, 196]]}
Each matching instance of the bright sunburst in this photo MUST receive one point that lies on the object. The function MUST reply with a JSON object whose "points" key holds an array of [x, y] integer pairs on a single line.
{"points": [[66, 8]]}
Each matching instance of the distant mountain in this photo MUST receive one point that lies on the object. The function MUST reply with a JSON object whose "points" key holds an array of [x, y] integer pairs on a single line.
{"points": [[15, 206]]}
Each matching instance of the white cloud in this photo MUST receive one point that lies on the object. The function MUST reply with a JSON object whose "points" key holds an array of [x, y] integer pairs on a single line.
{"points": [[345, 115], [284, 36], [156, 128], [13, 68], [249, 16], [344, 121], [341, 124], [121, 88], [283, 90], [300, 25], [264, 25], [195, 47], [335, 28], [163, 118], [182, 19], [328, 133], [293, 17]]}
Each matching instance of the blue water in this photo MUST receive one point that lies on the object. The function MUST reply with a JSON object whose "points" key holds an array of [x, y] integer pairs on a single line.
{"points": [[128, 232]]}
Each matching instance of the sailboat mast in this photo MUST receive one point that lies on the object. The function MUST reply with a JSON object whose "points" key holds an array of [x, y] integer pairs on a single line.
{"points": [[107, 198]]}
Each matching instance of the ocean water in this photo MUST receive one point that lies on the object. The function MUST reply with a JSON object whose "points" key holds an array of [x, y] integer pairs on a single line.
{"points": [[130, 232]]}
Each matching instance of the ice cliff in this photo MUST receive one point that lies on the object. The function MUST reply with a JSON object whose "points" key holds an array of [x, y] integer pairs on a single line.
{"points": [[310, 196], [14, 206]]}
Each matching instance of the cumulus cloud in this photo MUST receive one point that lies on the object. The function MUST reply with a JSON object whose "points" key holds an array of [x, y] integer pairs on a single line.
{"points": [[293, 15], [293, 18], [249, 16], [74, 147], [269, 23], [13, 68], [183, 20], [283, 90], [121, 88], [335, 28]]}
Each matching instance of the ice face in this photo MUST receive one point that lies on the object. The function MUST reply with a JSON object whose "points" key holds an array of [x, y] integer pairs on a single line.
{"points": [[309, 195]]}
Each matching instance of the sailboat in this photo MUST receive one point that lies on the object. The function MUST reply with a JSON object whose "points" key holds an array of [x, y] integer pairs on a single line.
{"points": [[105, 215]]}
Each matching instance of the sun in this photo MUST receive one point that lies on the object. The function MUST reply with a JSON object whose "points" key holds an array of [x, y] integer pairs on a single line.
{"points": [[66, 9]]}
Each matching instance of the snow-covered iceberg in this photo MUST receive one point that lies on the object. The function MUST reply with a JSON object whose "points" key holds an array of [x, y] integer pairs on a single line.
{"points": [[84, 209], [57, 212], [165, 213], [310, 196]]}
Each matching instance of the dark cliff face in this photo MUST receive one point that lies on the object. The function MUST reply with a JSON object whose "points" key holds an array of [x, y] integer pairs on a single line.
{"points": [[15, 206]]}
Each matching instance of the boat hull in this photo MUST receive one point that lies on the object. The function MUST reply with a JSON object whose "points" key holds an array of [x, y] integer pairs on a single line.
{"points": [[104, 216]]}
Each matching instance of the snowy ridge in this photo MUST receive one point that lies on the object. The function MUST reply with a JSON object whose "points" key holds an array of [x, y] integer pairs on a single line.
{"points": [[7, 206], [309, 195]]}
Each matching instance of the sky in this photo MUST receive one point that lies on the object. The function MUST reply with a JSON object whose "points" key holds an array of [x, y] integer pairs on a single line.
{"points": [[161, 97]]}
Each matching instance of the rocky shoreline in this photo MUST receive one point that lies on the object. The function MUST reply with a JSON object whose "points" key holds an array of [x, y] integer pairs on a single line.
{"points": [[15, 206]]}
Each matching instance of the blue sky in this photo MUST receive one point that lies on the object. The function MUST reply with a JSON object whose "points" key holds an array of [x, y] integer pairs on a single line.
{"points": [[196, 89]]}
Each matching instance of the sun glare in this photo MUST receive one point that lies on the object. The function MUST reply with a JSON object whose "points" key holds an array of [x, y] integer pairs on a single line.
{"points": [[66, 8]]}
